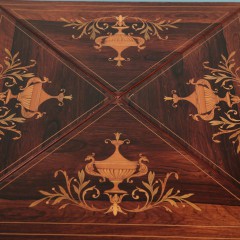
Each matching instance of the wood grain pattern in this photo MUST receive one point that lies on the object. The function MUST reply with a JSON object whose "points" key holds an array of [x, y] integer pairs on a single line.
{"points": [[70, 157], [50, 27], [57, 118], [177, 120], [130, 100]]}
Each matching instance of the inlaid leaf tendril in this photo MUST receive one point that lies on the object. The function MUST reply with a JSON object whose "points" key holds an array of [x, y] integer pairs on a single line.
{"points": [[74, 193], [8, 123], [150, 28], [89, 28], [157, 195], [230, 124], [13, 70], [225, 73]]}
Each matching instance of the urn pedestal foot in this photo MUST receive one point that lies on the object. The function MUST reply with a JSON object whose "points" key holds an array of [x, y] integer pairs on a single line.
{"points": [[116, 189]]}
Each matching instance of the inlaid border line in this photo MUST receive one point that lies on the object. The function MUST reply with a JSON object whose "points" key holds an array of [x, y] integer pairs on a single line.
{"points": [[132, 80], [187, 158], [112, 235], [124, 224], [54, 150], [132, 5], [86, 10], [135, 92], [104, 100], [26, 170]]}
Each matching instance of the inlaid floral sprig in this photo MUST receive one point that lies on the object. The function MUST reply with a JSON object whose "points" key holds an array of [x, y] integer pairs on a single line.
{"points": [[230, 125], [157, 195], [227, 72], [8, 122], [75, 190], [74, 193], [89, 28], [150, 28], [147, 27], [13, 70]]}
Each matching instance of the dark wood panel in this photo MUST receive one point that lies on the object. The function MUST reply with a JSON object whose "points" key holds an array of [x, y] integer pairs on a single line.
{"points": [[162, 160], [196, 133], [78, 99], [182, 184], [124, 230], [48, 23]]}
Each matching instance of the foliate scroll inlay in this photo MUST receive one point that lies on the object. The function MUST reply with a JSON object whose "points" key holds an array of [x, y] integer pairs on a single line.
{"points": [[211, 92], [22, 94], [121, 173], [125, 32]]}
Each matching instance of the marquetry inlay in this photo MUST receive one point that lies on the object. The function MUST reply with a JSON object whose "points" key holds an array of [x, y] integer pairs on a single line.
{"points": [[116, 169], [25, 90], [122, 34], [206, 98]]}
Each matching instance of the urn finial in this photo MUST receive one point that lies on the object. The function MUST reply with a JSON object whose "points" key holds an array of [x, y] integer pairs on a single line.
{"points": [[61, 97]]}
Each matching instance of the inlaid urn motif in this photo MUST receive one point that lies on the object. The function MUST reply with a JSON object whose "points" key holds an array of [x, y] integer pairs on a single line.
{"points": [[205, 99], [28, 93], [117, 168], [210, 92], [126, 32], [119, 41], [32, 96]]}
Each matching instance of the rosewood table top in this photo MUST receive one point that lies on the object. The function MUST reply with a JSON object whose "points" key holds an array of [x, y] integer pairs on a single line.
{"points": [[119, 120]]}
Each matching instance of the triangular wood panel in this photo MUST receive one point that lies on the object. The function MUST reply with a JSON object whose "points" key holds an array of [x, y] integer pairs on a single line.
{"points": [[119, 121]]}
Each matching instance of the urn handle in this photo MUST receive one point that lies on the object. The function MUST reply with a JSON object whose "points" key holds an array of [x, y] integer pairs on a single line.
{"points": [[89, 168], [143, 169]]}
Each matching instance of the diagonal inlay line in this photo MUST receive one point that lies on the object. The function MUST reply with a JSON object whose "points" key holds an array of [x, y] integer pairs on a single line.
{"points": [[26, 25], [165, 70], [212, 30], [75, 61], [117, 96]]}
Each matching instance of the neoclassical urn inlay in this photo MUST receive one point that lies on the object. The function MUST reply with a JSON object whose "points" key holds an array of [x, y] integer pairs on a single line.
{"points": [[116, 168]]}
